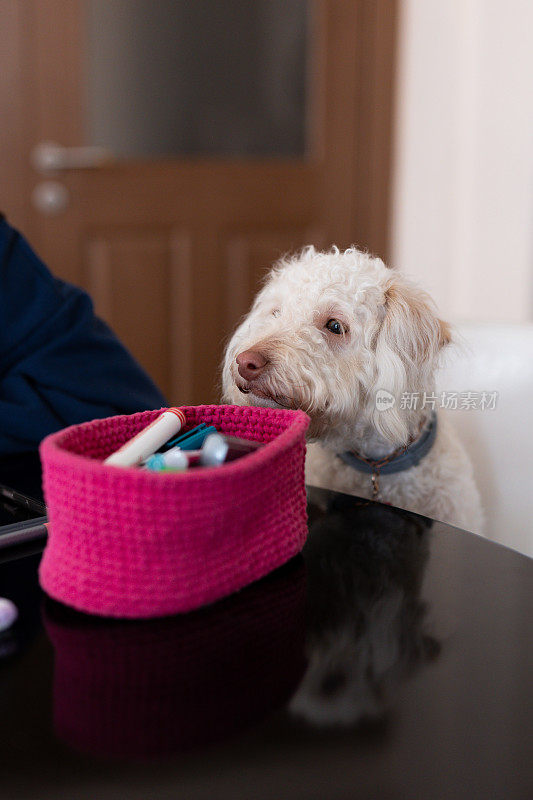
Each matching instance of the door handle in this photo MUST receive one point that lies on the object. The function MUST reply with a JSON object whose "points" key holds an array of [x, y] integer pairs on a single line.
{"points": [[50, 157]]}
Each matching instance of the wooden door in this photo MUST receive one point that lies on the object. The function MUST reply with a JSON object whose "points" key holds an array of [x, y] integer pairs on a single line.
{"points": [[172, 247]]}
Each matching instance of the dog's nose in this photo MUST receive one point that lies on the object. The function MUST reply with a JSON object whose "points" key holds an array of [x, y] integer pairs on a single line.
{"points": [[251, 364]]}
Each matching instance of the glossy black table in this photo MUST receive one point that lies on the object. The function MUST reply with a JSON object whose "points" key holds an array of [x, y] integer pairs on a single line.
{"points": [[392, 659]]}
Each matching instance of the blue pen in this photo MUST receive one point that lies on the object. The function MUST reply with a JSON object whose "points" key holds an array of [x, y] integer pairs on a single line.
{"points": [[178, 440], [196, 441]]}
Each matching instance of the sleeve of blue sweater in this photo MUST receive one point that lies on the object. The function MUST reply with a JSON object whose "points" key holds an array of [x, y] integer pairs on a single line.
{"points": [[59, 364]]}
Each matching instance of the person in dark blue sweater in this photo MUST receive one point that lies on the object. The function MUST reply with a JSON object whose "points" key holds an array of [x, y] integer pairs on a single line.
{"points": [[59, 363]]}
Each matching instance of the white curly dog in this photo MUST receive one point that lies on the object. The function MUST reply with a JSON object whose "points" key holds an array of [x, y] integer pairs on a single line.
{"points": [[356, 346]]}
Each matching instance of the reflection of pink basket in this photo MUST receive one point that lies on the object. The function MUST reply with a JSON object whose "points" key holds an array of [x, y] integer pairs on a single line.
{"points": [[126, 542], [145, 688]]}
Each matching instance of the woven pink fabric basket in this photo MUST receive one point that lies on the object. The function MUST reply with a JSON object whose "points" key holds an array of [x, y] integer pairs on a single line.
{"points": [[125, 542]]}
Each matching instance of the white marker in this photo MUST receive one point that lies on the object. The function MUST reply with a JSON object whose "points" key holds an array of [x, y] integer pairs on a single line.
{"points": [[216, 449], [212, 454], [149, 439]]}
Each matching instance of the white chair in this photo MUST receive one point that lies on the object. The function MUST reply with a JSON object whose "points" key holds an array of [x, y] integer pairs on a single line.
{"points": [[497, 357]]}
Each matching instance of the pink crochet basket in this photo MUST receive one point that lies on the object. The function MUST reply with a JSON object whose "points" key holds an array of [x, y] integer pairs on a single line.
{"points": [[125, 542]]}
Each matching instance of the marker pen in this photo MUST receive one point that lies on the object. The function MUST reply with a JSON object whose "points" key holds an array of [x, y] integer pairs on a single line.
{"points": [[211, 454], [215, 450], [178, 441], [174, 459], [149, 439], [196, 440]]}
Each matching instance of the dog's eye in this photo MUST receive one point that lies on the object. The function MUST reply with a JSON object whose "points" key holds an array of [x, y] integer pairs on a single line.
{"points": [[336, 327], [276, 312]]}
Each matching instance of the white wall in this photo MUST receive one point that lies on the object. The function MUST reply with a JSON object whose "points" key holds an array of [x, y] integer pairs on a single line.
{"points": [[463, 184]]}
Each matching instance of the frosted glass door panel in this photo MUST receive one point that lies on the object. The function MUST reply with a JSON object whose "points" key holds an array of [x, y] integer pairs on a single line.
{"points": [[196, 77]]}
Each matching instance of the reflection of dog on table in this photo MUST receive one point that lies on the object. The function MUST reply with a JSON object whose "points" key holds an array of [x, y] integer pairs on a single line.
{"points": [[365, 619]]}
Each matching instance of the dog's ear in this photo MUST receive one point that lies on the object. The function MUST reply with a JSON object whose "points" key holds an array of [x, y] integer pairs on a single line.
{"points": [[411, 323], [407, 344]]}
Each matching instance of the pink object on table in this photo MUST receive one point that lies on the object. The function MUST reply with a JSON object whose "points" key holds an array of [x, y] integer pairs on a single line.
{"points": [[158, 686], [125, 542]]}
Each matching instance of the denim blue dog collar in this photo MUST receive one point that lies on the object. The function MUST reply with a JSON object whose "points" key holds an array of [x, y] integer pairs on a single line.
{"points": [[405, 458]]}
